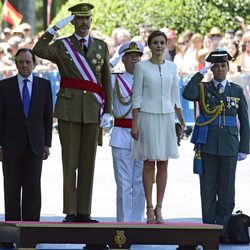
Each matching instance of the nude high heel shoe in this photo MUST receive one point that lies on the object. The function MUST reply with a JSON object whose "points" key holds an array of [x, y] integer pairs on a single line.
{"points": [[150, 215], [158, 215]]}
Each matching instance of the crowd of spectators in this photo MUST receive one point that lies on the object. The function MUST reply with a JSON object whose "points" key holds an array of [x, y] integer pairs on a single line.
{"points": [[188, 49]]}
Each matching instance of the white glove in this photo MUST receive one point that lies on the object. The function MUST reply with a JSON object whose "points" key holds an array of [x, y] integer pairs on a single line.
{"points": [[59, 25], [242, 156], [116, 60], [204, 70], [106, 120]]}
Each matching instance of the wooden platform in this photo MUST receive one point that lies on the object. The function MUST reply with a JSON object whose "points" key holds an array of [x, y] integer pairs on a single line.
{"points": [[116, 235]]}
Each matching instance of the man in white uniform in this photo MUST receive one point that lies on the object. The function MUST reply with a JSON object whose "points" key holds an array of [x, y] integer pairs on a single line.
{"points": [[130, 197]]}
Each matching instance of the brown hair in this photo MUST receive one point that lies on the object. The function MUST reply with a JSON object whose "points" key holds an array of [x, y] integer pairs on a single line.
{"points": [[155, 34]]}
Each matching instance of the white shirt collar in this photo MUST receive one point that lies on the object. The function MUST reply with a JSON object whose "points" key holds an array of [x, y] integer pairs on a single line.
{"points": [[224, 82], [86, 38], [21, 78]]}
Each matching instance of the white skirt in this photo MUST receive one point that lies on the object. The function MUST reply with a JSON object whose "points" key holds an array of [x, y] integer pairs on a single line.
{"points": [[157, 137]]}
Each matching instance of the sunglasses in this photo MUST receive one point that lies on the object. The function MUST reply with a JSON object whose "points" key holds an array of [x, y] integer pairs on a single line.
{"points": [[182, 43]]}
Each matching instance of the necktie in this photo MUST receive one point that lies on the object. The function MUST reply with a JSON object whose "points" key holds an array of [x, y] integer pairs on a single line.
{"points": [[26, 97], [220, 88], [83, 46]]}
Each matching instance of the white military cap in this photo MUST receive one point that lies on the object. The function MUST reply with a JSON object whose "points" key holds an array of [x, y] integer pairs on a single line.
{"points": [[130, 47]]}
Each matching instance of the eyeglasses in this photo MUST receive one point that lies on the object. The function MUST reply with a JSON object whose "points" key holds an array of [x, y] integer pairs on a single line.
{"points": [[182, 43]]}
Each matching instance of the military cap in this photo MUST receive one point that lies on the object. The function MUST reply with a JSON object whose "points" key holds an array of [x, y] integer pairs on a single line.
{"points": [[218, 56], [130, 47], [81, 9]]}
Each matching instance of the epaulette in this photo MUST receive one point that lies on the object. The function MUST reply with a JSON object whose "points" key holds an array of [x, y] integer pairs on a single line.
{"points": [[99, 40]]}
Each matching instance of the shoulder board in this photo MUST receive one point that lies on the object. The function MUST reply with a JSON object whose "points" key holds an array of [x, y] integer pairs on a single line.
{"points": [[98, 40]]}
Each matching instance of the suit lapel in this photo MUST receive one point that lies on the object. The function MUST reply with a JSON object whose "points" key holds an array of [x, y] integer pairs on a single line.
{"points": [[76, 44], [35, 94], [91, 48], [15, 92], [227, 89]]}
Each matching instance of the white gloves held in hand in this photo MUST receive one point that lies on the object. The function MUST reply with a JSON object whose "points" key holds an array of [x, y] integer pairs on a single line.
{"points": [[204, 70], [116, 60], [242, 156], [106, 120], [59, 25]]}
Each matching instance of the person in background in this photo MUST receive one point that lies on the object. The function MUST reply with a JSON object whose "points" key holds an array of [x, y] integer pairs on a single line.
{"points": [[196, 43], [180, 57], [171, 46], [218, 141], [25, 137], [144, 32], [216, 36], [155, 101], [83, 104], [130, 199], [234, 65], [208, 43], [245, 53]]}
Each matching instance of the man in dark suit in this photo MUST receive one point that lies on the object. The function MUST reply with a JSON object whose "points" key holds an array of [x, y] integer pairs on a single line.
{"points": [[83, 105], [25, 137], [218, 141]]}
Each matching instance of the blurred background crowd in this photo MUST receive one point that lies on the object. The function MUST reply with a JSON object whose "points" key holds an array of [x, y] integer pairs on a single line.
{"points": [[188, 50]]}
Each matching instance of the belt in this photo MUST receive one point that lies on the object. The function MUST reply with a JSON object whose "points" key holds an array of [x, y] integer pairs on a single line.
{"points": [[199, 136]]}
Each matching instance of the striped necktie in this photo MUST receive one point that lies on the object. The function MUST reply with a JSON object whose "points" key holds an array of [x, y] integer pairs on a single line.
{"points": [[26, 97]]}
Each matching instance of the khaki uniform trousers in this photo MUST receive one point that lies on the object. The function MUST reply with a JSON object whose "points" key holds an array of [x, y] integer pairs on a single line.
{"points": [[79, 144]]}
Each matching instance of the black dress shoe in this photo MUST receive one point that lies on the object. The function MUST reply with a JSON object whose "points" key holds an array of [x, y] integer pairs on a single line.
{"points": [[7, 245], [188, 248], [224, 239], [70, 218], [85, 218], [96, 247]]}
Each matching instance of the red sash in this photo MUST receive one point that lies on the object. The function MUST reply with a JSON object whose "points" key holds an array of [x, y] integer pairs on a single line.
{"points": [[74, 83], [123, 123]]}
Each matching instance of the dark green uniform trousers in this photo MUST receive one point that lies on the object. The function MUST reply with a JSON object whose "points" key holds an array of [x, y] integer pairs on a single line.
{"points": [[217, 187]]}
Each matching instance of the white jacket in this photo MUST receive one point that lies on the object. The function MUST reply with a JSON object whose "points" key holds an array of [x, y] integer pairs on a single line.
{"points": [[155, 88]]}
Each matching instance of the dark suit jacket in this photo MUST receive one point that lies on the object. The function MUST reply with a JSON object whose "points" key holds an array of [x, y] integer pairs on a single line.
{"points": [[15, 128], [223, 140]]}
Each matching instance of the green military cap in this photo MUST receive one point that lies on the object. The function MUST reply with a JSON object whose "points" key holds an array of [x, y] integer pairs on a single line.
{"points": [[81, 9], [219, 56]]}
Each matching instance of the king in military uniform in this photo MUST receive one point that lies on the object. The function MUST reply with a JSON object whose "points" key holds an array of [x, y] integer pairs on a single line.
{"points": [[219, 142], [83, 105]]}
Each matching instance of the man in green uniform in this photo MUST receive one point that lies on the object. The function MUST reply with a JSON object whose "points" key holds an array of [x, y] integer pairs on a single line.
{"points": [[219, 142], [83, 105]]}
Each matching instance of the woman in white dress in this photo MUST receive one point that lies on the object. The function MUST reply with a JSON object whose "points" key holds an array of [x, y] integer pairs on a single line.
{"points": [[155, 101]]}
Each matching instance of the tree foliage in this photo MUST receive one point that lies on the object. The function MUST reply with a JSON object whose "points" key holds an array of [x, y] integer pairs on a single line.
{"points": [[197, 15]]}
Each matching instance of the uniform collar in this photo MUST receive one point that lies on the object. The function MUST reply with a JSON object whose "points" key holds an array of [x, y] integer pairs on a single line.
{"points": [[224, 82], [86, 38]]}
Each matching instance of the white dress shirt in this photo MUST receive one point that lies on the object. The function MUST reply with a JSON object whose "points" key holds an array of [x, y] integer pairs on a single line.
{"points": [[29, 84]]}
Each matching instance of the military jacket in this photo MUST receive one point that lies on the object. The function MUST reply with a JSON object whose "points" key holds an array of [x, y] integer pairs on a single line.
{"points": [[74, 104], [222, 139]]}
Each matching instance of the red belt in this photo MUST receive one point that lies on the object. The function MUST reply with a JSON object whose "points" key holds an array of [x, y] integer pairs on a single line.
{"points": [[123, 123], [74, 83]]}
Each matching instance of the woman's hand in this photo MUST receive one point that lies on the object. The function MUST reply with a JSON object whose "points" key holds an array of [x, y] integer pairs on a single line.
{"points": [[134, 132]]}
